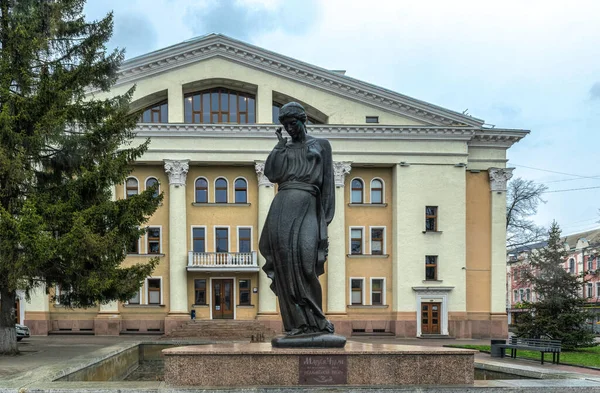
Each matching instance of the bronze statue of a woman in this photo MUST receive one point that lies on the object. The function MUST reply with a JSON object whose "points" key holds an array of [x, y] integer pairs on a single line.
{"points": [[294, 238]]}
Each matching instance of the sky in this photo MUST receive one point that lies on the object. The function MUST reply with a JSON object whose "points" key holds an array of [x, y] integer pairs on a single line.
{"points": [[531, 65]]}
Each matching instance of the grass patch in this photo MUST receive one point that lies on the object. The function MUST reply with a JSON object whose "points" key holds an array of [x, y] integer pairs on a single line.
{"points": [[589, 357]]}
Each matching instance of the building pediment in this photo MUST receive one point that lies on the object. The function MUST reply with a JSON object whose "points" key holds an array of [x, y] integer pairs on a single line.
{"points": [[216, 45]]}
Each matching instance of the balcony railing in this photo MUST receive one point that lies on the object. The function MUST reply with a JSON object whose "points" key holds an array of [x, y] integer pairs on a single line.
{"points": [[222, 261]]}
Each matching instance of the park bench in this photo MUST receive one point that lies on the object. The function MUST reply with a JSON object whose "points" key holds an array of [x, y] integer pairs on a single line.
{"points": [[531, 344]]}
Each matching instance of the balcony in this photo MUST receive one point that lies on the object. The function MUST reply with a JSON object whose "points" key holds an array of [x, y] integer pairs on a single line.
{"points": [[222, 262]]}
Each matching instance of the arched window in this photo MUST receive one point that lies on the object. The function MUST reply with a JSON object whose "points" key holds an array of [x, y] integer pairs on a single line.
{"points": [[220, 105], [376, 191], [241, 191], [571, 265], [131, 187], [357, 191], [158, 113], [277, 107], [201, 190], [151, 182], [221, 190]]}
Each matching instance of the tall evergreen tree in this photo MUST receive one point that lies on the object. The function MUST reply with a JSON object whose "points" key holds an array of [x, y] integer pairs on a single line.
{"points": [[558, 313], [60, 153]]}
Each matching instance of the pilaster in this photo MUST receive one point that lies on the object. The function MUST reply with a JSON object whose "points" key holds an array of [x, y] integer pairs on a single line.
{"points": [[267, 303], [336, 260], [177, 172], [498, 180], [175, 94], [264, 105]]}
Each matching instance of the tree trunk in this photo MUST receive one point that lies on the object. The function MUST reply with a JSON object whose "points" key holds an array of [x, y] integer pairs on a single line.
{"points": [[8, 334]]}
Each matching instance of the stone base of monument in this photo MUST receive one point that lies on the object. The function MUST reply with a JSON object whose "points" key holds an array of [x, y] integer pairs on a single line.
{"points": [[316, 340], [244, 365]]}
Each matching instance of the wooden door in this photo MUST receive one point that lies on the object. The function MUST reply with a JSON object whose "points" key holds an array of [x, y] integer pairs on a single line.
{"points": [[222, 299], [430, 318], [18, 311]]}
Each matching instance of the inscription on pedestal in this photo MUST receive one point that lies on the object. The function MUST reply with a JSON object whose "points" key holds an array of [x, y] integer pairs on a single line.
{"points": [[323, 370]]}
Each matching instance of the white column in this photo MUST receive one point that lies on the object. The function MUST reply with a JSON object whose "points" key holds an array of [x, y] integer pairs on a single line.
{"points": [[336, 260], [396, 222], [175, 96], [177, 171], [266, 298], [498, 179], [264, 105]]}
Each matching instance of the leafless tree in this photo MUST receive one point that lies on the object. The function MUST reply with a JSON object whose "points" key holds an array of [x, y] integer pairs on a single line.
{"points": [[522, 200]]}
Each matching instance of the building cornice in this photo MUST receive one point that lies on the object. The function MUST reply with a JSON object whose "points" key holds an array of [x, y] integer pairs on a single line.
{"points": [[473, 136], [216, 45]]}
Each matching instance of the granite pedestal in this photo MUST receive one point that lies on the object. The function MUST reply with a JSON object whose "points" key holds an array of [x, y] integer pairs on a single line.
{"points": [[243, 365]]}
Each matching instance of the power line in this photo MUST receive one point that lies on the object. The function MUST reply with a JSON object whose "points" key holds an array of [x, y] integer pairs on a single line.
{"points": [[560, 173], [571, 189]]}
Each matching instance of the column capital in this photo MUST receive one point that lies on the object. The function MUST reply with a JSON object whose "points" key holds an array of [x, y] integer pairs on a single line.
{"points": [[177, 171], [259, 167], [340, 170], [499, 177]]}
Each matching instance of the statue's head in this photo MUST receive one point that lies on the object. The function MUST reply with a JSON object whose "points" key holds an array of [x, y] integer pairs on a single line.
{"points": [[293, 118]]}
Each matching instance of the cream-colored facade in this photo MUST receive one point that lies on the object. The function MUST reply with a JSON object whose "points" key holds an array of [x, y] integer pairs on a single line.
{"points": [[418, 249]]}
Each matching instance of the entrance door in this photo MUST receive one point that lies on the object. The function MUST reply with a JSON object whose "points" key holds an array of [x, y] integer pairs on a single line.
{"points": [[430, 318], [18, 310], [222, 299]]}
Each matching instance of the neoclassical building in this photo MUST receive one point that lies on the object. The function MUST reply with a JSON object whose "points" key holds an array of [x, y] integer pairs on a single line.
{"points": [[417, 246]]}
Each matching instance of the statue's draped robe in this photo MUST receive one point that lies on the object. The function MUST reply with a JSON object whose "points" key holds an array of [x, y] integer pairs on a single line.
{"points": [[294, 238]]}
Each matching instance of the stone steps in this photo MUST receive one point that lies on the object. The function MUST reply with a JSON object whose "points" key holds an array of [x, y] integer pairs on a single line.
{"points": [[224, 330]]}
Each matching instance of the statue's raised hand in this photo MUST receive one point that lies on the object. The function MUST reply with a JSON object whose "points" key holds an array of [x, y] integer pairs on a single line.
{"points": [[282, 139]]}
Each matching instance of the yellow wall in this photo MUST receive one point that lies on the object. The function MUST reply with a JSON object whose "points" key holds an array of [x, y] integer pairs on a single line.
{"points": [[478, 242]]}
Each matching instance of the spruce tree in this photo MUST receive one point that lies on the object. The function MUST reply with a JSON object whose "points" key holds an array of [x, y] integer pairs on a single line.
{"points": [[558, 312], [60, 154]]}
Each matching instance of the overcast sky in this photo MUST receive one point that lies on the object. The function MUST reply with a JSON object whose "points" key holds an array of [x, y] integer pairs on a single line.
{"points": [[517, 64]]}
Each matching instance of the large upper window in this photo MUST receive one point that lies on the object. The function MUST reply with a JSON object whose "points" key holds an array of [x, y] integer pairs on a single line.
{"points": [[156, 114], [220, 105], [277, 107]]}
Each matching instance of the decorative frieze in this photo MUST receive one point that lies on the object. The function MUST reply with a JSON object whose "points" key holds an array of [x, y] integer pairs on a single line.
{"points": [[499, 177], [340, 170], [259, 167], [177, 171]]}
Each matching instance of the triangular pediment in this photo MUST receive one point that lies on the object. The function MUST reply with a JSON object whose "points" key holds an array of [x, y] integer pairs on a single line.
{"points": [[216, 45]]}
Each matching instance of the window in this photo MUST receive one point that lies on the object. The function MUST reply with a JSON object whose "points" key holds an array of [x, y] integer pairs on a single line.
{"points": [[153, 182], [590, 290], [221, 190], [571, 265], [201, 190], [376, 191], [244, 289], [598, 289], [134, 247], [528, 294], [135, 299], [431, 267], [244, 240], [590, 264], [372, 119], [198, 239], [521, 295], [377, 288], [356, 285], [277, 107], [154, 295], [62, 294], [377, 241], [356, 241], [431, 218], [200, 291], [515, 296], [222, 239], [153, 240], [156, 114], [357, 191], [131, 187], [241, 191], [220, 105]]}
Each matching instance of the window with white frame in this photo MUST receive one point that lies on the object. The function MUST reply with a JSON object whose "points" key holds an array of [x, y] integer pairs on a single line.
{"points": [[241, 191], [357, 291], [222, 239], [154, 290], [153, 182], [134, 246], [244, 239], [376, 191], [528, 294], [61, 293], [200, 291], [201, 187], [131, 187], [356, 241], [136, 298], [153, 236], [590, 290], [431, 267], [571, 265], [244, 292], [377, 240], [521, 295], [199, 239], [598, 289], [221, 190], [590, 264], [377, 291], [357, 190], [515, 296]]}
